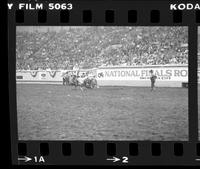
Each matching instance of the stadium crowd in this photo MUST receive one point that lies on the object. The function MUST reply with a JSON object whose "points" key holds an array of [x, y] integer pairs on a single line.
{"points": [[91, 47]]}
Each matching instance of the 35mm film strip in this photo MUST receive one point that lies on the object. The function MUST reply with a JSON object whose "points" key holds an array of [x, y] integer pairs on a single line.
{"points": [[104, 82]]}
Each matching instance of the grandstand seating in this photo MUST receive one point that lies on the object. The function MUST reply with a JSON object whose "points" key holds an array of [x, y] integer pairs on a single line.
{"points": [[101, 46]]}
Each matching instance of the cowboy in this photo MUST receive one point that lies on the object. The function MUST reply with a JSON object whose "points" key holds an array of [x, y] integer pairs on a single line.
{"points": [[153, 79], [76, 69], [65, 78]]}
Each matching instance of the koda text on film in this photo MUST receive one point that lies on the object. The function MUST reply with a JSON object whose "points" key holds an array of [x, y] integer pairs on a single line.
{"points": [[41, 6]]}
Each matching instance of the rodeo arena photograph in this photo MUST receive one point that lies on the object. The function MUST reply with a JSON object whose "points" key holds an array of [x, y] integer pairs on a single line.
{"points": [[102, 83]]}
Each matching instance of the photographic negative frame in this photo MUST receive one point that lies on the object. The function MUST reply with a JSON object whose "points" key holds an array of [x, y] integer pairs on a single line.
{"points": [[106, 152]]}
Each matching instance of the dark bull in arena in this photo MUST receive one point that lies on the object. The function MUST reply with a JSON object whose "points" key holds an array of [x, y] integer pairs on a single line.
{"points": [[74, 80]]}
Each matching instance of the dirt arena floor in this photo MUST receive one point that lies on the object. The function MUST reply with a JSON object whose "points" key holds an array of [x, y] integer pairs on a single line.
{"points": [[56, 112]]}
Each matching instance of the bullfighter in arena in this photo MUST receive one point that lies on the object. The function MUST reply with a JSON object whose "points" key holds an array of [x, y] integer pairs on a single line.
{"points": [[153, 80]]}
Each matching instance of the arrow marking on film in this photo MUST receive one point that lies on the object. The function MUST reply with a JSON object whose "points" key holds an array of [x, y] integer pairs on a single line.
{"points": [[25, 159], [114, 159]]}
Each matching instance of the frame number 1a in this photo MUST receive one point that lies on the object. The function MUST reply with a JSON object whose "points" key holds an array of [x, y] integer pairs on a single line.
{"points": [[39, 159]]}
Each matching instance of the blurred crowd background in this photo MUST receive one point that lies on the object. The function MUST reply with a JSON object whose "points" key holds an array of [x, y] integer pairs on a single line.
{"points": [[42, 48]]}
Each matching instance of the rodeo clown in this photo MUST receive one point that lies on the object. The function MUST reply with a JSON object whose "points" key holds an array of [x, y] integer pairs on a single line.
{"points": [[153, 78]]}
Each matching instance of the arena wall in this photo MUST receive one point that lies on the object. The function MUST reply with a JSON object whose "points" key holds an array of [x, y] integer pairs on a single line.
{"points": [[167, 76]]}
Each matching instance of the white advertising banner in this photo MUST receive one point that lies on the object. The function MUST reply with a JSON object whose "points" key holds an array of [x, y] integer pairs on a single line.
{"points": [[167, 76], [48, 75], [36, 75], [142, 73]]}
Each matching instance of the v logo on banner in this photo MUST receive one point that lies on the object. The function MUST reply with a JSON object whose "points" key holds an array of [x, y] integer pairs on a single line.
{"points": [[33, 73], [52, 73]]}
